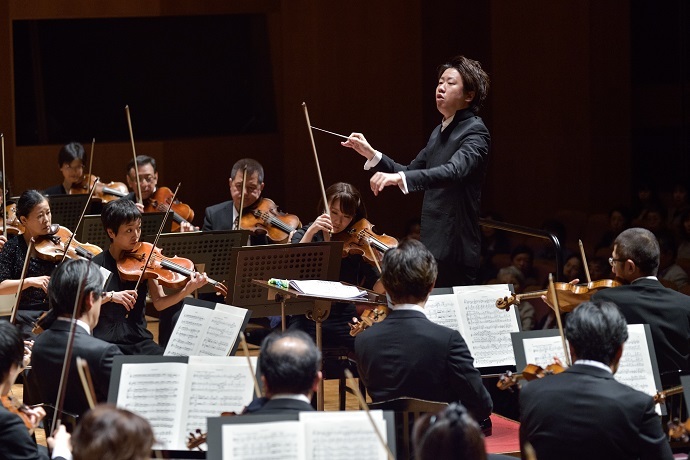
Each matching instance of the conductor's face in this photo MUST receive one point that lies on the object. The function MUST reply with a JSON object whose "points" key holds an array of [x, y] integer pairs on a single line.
{"points": [[450, 93]]}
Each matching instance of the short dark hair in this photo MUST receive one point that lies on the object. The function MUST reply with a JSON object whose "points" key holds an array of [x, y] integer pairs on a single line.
{"points": [[474, 78], [118, 212], [596, 330], [110, 433], [350, 199], [452, 433], [408, 270], [70, 152], [522, 249], [252, 166], [28, 201], [290, 370], [11, 348], [141, 161], [640, 246], [67, 279]]}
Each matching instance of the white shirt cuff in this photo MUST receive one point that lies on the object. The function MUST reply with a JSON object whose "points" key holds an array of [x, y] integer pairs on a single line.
{"points": [[374, 160], [403, 185], [61, 451]]}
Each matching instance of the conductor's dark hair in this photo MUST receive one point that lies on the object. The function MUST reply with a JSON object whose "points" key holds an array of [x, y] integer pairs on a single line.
{"points": [[596, 330], [107, 432], [474, 78], [11, 348], [351, 202], [252, 166], [641, 246], [408, 271], [28, 201], [289, 369], [118, 212], [141, 161], [70, 152], [68, 279], [452, 433]]}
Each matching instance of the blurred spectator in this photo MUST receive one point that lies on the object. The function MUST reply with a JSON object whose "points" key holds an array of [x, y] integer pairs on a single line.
{"points": [[511, 275], [522, 257], [493, 242], [683, 230], [619, 220], [668, 269]]}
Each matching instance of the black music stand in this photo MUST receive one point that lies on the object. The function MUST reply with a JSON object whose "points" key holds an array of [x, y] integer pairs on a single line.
{"points": [[210, 249], [92, 231], [66, 209]]}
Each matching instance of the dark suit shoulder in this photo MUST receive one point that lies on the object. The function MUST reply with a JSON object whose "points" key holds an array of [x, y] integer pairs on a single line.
{"points": [[15, 440]]}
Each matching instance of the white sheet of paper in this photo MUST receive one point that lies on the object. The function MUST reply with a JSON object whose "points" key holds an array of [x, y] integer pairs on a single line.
{"points": [[266, 441]]}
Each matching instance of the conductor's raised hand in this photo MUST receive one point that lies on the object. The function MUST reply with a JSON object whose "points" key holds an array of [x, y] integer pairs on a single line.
{"points": [[380, 180], [359, 143]]}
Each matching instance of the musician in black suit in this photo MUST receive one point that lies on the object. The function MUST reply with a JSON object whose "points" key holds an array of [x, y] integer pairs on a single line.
{"points": [[644, 300], [16, 443], [584, 412], [450, 170], [70, 278], [408, 355], [290, 366]]}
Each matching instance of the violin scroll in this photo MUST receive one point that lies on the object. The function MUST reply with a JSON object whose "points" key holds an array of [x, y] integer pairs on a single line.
{"points": [[368, 318]]}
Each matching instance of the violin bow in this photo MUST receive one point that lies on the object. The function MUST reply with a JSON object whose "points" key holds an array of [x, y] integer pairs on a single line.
{"points": [[86, 381], [584, 261], [160, 230], [81, 218], [373, 256], [93, 145], [257, 388], [316, 158], [20, 287], [239, 211], [4, 178], [552, 291], [134, 152], [363, 403]]}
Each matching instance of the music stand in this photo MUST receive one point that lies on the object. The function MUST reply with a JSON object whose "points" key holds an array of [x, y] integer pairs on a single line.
{"points": [[210, 249], [66, 209]]}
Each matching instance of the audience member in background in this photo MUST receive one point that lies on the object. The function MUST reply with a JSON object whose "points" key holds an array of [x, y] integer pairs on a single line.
{"points": [[599, 268], [109, 433], [655, 219], [413, 228], [679, 203], [573, 269], [511, 275], [619, 220], [683, 231], [522, 258], [669, 270], [645, 197], [493, 242]]}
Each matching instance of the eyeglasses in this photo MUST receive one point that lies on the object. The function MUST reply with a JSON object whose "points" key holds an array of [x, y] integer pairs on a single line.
{"points": [[612, 260], [149, 179]]}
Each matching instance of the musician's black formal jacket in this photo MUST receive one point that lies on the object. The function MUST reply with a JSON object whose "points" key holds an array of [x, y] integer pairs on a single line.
{"points": [[277, 406], [450, 170], [408, 355], [647, 301], [219, 217], [585, 413], [47, 360], [15, 441]]}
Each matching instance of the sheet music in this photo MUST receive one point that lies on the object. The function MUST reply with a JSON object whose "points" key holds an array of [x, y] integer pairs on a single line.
{"points": [[189, 327], [541, 350], [333, 289], [155, 391], [265, 441], [635, 366], [443, 309], [215, 385], [331, 436], [485, 328]]}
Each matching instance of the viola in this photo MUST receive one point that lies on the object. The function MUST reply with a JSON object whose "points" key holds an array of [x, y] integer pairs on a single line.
{"points": [[52, 246], [104, 192], [361, 239], [15, 407], [264, 218], [569, 295], [14, 226], [529, 373], [160, 201], [172, 272]]}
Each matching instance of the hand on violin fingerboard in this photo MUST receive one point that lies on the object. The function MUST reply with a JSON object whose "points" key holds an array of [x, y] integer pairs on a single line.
{"points": [[196, 280], [125, 298]]}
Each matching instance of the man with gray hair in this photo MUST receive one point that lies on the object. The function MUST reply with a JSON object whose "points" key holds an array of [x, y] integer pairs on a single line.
{"points": [[644, 300]]}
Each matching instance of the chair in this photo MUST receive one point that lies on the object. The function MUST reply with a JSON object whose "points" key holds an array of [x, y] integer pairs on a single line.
{"points": [[334, 362], [407, 410]]}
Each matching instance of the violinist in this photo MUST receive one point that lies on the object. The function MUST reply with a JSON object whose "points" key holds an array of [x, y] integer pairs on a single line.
{"points": [[33, 211], [584, 412], [15, 438], [122, 319], [148, 180], [71, 165], [644, 300], [225, 215], [407, 354], [68, 279], [3, 238], [346, 208]]}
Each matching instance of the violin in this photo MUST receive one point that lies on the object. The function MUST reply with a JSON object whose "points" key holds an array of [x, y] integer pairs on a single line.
{"points": [[265, 218], [678, 431], [529, 373], [368, 318], [104, 192], [160, 201], [660, 396], [172, 272], [15, 407], [14, 226], [360, 237], [569, 295], [52, 246]]}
